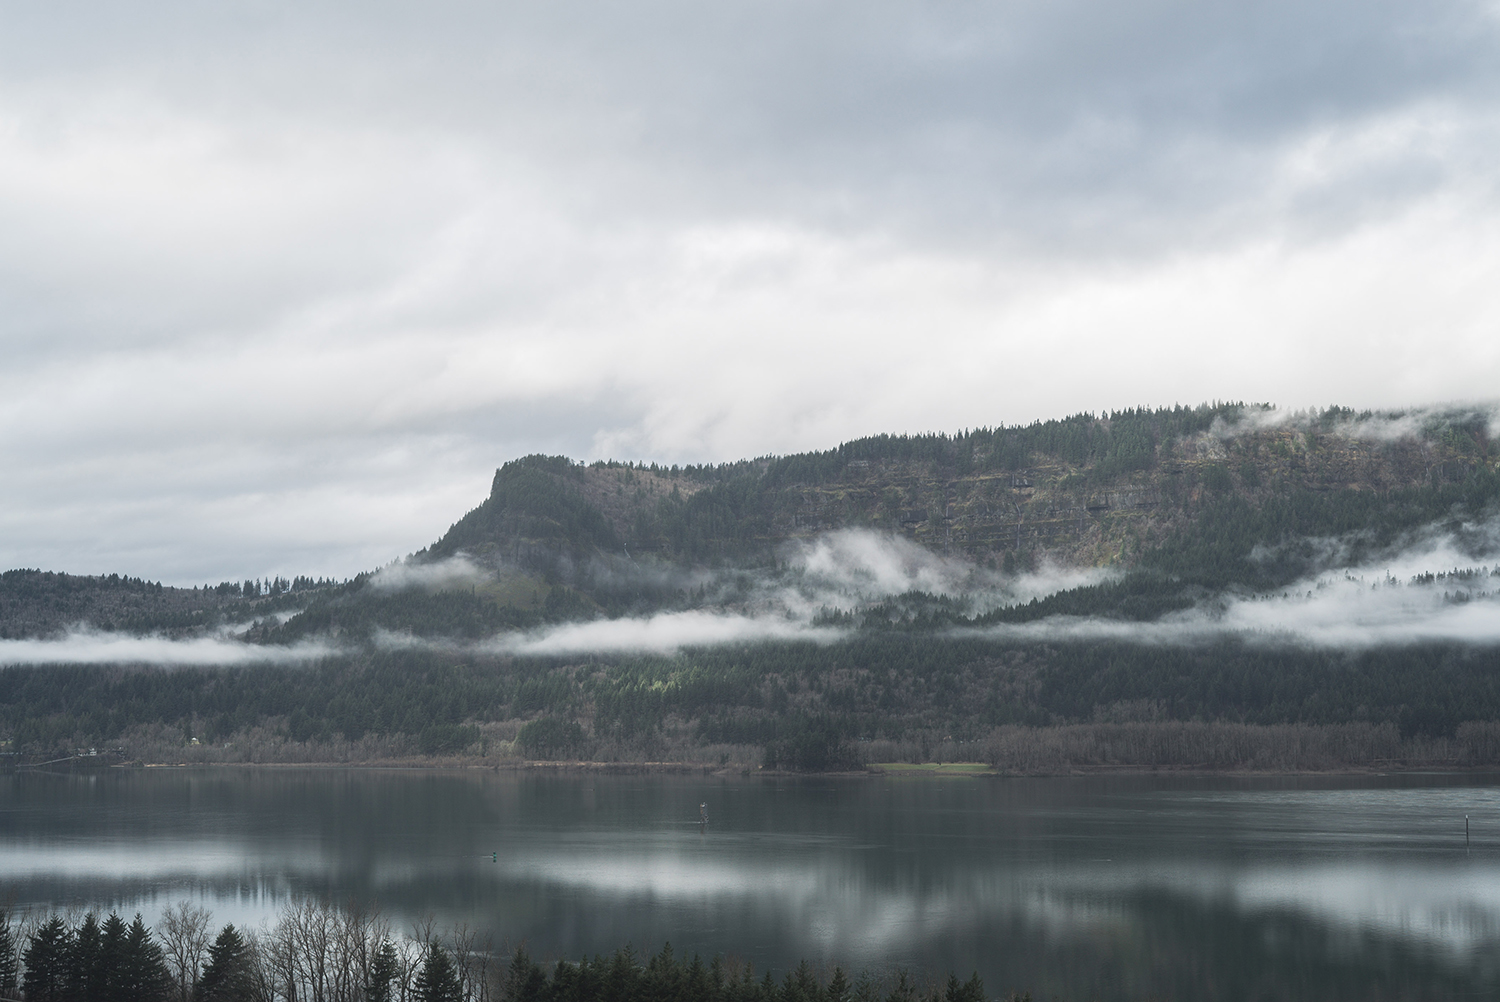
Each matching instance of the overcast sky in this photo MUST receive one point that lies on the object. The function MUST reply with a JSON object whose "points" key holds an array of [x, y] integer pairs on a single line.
{"points": [[282, 284]]}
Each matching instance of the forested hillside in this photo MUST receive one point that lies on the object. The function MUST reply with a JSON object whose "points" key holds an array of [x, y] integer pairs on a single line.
{"points": [[1083, 489], [1187, 497], [35, 603], [1177, 586]]}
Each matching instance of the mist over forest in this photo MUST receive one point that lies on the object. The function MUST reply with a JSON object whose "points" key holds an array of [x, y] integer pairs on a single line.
{"points": [[1222, 586]]}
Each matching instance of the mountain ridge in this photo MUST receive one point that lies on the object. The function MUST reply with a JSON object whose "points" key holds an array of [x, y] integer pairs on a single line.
{"points": [[1203, 589], [1183, 492], [1110, 492]]}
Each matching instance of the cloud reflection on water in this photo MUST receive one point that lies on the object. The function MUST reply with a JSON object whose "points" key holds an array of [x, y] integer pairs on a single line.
{"points": [[1050, 883], [824, 894]]}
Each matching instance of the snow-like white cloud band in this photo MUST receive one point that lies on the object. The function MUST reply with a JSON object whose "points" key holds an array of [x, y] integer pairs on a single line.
{"points": [[95, 648], [1429, 590]]}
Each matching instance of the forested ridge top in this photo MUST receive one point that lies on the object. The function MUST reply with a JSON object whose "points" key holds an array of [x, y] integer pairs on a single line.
{"points": [[36, 603], [1092, 488], [1123, 489]]}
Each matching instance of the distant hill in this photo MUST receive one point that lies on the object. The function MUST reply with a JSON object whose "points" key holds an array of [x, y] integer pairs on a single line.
{"points": [[1187, 494], [1085, 489], [1190, 492], [1223, 585], [36, 603]]}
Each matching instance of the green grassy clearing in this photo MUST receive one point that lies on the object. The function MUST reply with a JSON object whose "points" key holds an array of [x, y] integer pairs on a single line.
{"points": [[518, 591]]}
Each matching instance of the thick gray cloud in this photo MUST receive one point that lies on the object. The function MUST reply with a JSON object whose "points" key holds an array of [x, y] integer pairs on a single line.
{"points": [[281, 285]]}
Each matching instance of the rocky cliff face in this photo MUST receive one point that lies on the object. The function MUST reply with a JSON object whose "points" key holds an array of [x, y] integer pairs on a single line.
{"points": [[975, 495]]}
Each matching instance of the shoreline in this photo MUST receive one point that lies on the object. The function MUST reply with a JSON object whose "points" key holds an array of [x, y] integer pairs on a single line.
{"points": [[896, 771]]}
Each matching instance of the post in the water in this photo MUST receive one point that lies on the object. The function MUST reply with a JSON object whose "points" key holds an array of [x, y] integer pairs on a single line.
{"points": [[703, 814]]}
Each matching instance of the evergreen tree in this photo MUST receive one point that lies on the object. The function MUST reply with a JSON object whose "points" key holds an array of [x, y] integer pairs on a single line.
{"points": [[9, 986], [143, 975], [968, 991], [381, 985], [226, 976], [838, 989], [697, 983], [438, 981], [618, 981], [47, 963], [904, 990], [107, 984], [525, 981], [86, 961], [801, 985]]}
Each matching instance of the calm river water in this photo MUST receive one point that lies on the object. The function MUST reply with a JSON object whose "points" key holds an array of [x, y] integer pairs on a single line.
{"points": [[1100, 887]]}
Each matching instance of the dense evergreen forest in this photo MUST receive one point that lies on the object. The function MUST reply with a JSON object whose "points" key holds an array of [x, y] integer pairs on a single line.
{"points": [[35, 603], [897, 697], [1187, 515], [322, 953]]}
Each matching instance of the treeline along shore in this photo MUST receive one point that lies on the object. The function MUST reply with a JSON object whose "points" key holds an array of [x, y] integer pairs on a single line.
{"points": [[1187, 746], [1023, 709], [315, 952]]}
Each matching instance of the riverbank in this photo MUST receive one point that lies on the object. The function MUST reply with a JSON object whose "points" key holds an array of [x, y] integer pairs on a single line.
{"points": [[916, 772], [1139, 747]]}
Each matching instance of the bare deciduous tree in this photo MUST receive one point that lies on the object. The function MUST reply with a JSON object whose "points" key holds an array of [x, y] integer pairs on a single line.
{"points": [[184, 932]]}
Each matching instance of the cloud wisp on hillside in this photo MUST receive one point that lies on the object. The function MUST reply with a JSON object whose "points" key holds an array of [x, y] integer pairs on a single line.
{"points": [[1375, 426], [1341, 614], [1388, 602], [663, 633], [95, 647], [839, 571], [1431, 589], [1440, 585], [454, 572], [849, 567]]}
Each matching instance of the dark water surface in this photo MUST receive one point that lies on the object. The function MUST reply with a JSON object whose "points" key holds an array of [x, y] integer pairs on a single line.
{"points": [[1100, 887]]}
